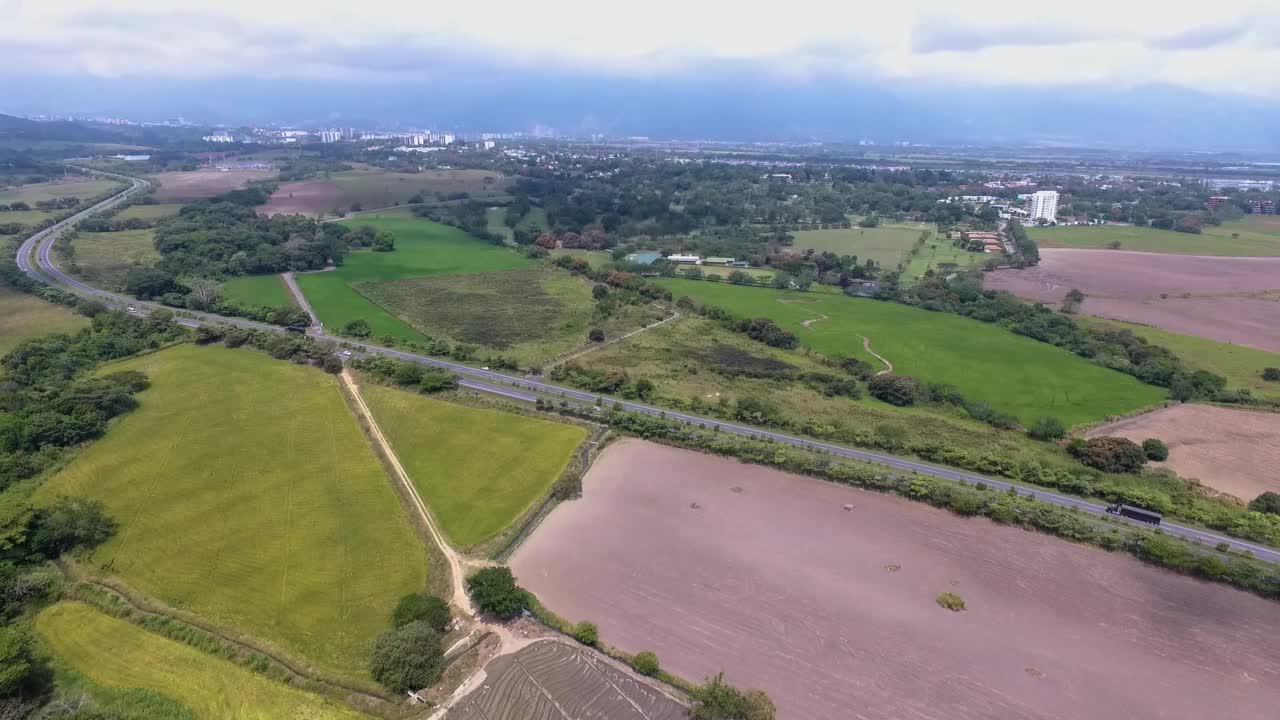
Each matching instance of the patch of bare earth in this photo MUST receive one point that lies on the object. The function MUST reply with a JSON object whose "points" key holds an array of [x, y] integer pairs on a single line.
{"points": [[188, 186], [1230, 299], [717, 565], [309, 197], [1232, 451]]}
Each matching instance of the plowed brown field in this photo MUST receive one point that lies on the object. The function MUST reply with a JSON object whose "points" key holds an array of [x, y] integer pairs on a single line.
{"points": [[309, 197], [1231, 299], [718, 565], [1232, 451]]}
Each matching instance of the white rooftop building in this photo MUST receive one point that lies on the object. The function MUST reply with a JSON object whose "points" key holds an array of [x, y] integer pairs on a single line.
{"points": [[1044, 205]]}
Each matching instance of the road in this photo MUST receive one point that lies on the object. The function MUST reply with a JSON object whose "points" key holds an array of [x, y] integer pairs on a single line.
{"points": [[523, 388]]}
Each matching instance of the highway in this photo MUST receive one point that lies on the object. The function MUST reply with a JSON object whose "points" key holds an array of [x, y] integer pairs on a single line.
{"points": [[523, 388]]}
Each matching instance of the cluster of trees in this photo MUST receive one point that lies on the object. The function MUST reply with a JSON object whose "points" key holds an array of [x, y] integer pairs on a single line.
{"points": [[718, 700], [360, 329], [611, 382], [14, 206], [281, 346], [410, 656], [495, 592], [409, 375], [759, 329], [903, 391], [1028, 250]]}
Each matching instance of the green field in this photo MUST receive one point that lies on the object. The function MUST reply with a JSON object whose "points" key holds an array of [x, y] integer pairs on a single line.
{"points": [[597, 258], [478, 470], [247, 495], [23, 317], [940, 255], [105, 258], [494, 218], [115, 654], [32, 194], [1241, 366], [374, 188], [1254, 237], [761, 275], [535, 219], [888, 245], [423, 248], [987, 364], [267, 290], [150, 212], [28, 217]]}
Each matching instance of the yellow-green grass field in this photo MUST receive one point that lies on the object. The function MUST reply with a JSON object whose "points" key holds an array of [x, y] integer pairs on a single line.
{"points": [[985, 363], [761, 275], [941, 255], [479, 470], [247, 495], [373, 187], [156, 211], [103, 259], [888, 244], [597, 258], [266, 290], [28, 217], [423, 249], [24, 317], [1241, 366], [37, 192], [495, 221], [531, 315], [1249, 237], [115, 654]]}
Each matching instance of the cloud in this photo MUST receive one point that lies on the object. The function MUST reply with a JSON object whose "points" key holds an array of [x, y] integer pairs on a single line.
{"points": [[1203, 37], [941, 36]]}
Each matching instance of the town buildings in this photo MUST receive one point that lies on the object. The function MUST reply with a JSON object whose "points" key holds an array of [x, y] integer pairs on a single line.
{"points": [[1043, 205]]}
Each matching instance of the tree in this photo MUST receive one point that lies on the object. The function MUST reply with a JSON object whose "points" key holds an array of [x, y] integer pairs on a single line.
{"points": [[717, 700], [1110, 454], [1155, 449], [596, 335], [384, 242], [900, 390], [870, 221], [494, 591], [599, 292], [16, 666], [68, 523], [568, 487], [407, 658], [1047, 428], [357, 329], [1268, 502], [586, 633], [408, 373], [434, 381], [147, 283], [1072, 302], [740, 277], [204, 293], [332, 364], [416, 607], [1271, 374], [645, 663]]}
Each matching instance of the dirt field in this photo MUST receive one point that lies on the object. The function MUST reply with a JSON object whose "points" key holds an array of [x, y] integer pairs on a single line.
{"points": [[553, 680], [309, 197], [200, 184], [1232, 451], [1223, 298], [718, 565]]}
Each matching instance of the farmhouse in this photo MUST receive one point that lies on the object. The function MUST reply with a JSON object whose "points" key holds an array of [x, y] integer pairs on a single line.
{"points": [[718, 261], [685, 259], [644, 257]]}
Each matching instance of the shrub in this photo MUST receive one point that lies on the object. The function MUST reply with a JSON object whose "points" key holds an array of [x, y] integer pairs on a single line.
{"points": [[586, 633], [568, 487], [1271, 374], [1155, 449], [407, 658], [899, 390], [1113, 454], [1268, 502], [434, 381], [416, 607], [645, 663], [68, 523], [494, 591], [357, 329], [332, 364], [596, 335], [718, 700], [951, 601], [1047, 428]]}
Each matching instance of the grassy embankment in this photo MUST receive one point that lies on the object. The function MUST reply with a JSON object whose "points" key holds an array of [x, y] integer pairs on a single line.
{"points": [[987, 364], [1250, 237], [25, 317], [266, 290], [248, 498], [104, 258], [478, 470]]}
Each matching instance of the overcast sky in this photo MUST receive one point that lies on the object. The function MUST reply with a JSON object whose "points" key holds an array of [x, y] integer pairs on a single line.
{"points": [[1223, 46]]}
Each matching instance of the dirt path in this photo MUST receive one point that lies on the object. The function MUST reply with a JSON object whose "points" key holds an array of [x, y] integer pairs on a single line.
{"points": [[674, 316], [866, 345], [301, 299], [808, 324]]}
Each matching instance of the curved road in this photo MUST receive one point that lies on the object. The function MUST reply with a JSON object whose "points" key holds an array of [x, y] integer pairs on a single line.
{"points": [[45, 270]]}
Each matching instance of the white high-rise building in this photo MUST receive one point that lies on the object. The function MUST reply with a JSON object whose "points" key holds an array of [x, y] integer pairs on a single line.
{"points": [[1044, 205], [329, 136]]}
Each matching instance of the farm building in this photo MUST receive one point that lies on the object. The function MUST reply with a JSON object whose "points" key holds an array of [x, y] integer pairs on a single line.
{"points": [[644, 257], [718, 261], [685, 259]]}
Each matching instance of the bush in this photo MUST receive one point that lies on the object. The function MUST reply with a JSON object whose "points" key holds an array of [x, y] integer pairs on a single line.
{"points": [[356, 329], [568, 487], [718, 700], [899, 390], [494, 591], [1268, 502], [586, 633], [1271, 374], [407, 658], [1047, 429], [1111, 454], [596, 335], [416, 607], [951, 601], [68, 523], [1155, 449], [645, 663]]}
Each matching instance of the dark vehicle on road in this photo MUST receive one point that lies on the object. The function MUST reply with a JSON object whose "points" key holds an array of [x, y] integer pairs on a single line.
{"points": [[1135, 513], [297, 329]]}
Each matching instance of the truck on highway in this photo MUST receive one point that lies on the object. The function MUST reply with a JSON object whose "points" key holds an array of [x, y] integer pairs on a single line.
{"points": [[1150, 517], [300, 329]]}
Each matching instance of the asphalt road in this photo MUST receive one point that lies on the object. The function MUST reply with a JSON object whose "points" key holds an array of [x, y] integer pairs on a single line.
{"points": [[523, 388]]}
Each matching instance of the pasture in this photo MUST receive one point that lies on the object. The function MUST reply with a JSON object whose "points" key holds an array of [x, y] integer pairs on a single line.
{"points": [[103, 259], [266, 290], [247, 495], [28, 217], [985, 363], [423, 248], [597, 258], [76, 187], [155, 211], [372, 187], [115, 654], [494, 220], [478, 470], [1241, 365], [823, 595], [888, 244], [1249, 237], [190, 185], [25, 317], [941, 256]]}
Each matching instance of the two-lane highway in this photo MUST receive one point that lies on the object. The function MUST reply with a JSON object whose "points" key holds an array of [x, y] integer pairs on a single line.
{"points": [[526, 389]]}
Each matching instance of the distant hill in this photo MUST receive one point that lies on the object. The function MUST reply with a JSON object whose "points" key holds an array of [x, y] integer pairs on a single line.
{"points": [[16, 128]]}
